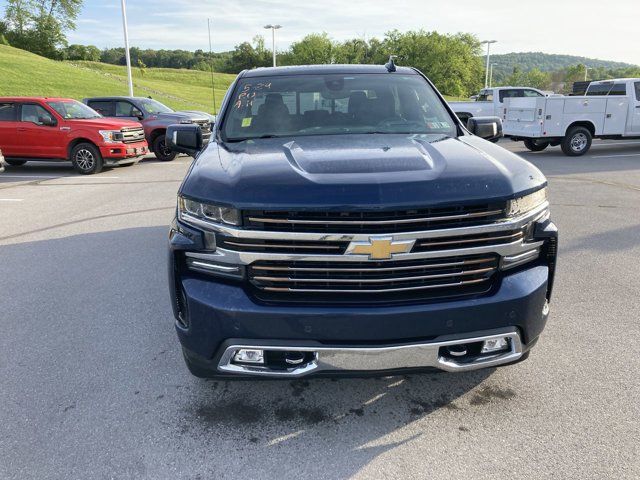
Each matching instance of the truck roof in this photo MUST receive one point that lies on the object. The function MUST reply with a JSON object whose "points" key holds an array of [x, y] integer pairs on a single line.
{"points": [[117, 97], [614, 80], [35, 99], [324, 70]]}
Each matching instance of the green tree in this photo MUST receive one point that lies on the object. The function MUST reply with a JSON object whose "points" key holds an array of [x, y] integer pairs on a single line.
{"points": [[40, 25], [316, 48]]}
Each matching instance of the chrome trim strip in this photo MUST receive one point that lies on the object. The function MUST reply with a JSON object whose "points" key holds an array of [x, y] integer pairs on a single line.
{"points": [[293, 247], [375, 280], [385, 269], [360, 359], [375, 222], [374, 290], [499, 226], [211, 266], [247, 258], [471, 240]]}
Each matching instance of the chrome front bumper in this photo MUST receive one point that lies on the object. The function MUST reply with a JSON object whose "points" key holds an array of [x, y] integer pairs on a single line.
{"points": [[375, 359]]}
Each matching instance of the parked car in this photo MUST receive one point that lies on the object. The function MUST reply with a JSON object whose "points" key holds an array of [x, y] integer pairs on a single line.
{"points": [[490, 101], [609, 110], [1, 162], [155, 118], [35, 128], [343, 220]]}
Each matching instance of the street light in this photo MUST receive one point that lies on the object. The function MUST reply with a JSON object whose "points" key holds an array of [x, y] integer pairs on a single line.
{"points": [[486, 75], [491, 74], [126, 47], [273, 39]]}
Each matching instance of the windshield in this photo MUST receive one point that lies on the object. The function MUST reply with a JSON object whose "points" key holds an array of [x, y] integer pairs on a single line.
{"points": [[335, 104], [72, 110], [153, 107]]}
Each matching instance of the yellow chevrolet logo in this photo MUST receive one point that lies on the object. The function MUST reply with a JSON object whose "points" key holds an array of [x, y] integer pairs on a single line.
{"points": [[380, 248]]}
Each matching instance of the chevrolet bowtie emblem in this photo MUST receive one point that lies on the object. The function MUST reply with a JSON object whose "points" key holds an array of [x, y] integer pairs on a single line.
{"points": [[380, 248]]}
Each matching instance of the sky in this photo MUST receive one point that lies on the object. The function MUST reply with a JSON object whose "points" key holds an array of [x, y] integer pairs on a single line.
{"points": [[553, 26]]}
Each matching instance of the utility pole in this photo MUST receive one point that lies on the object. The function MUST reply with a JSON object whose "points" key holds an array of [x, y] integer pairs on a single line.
{"points": [[213, 85], [126, 46], [491, 74], [273, 39], [486, 75]]}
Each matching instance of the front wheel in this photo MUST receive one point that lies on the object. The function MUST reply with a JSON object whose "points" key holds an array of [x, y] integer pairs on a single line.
{"points": [[86, 159], [162, 152], [535, 145], [577, 142], [15, 163]]}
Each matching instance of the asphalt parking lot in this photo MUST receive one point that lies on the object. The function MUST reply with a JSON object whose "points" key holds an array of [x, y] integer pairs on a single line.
{"points": [[93, 386]]}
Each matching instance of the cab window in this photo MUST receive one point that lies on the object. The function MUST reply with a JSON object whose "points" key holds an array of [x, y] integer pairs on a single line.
{"points": [[103, 108], [532, 93], [618, 89], [638, 91], [510, 93], [600, 89], [34, 113], [7, 112], [126, 109]]}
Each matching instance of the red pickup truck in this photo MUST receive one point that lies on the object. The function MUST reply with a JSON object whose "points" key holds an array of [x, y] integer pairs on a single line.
{"points": [[37, 128]]}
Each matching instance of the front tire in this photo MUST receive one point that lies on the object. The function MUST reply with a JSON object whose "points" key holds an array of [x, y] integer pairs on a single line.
{"points": [[161, 151], [86, 159], [577, 142], [534, 145], [15, 163]]}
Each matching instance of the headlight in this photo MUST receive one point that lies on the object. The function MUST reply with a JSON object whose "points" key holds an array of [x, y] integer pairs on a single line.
{"points": [[112, 136], [522, 205], [186, 121], [207, 212]]}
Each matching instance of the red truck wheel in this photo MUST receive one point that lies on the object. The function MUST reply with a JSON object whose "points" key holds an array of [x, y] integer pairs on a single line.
{"points": [[86, 159]]}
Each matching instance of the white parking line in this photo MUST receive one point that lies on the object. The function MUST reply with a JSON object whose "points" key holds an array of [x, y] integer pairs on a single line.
{"points": [[619, 155], [30, 176], [11, 200]]}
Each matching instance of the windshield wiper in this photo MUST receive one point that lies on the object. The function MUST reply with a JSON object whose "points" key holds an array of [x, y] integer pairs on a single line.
{"points": [[244, 139]]}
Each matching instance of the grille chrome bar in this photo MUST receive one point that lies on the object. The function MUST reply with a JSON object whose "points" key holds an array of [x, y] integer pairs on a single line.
{"points": [[383, 269], [377, 290], [285, 246], [514, 236], [376, 222], [376, 280]]}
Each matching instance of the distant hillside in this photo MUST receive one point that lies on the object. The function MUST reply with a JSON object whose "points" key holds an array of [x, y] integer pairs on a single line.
{"points": [[546, 62], [23, 73]]}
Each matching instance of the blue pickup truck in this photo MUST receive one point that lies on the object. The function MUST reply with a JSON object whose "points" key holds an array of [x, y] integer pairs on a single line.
{"points": [[342, 220]]}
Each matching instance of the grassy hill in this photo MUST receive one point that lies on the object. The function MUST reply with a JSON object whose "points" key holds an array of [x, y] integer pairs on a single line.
{"points": [[23, 73], [547, 62]]}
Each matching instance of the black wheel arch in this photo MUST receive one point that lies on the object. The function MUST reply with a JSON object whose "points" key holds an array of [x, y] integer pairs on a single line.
{"points": [[77, 141]]}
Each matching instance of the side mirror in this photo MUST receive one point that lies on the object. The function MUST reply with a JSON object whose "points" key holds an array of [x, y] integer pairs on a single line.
{"points": [[489, 128], [138, 114], [46, 121], [184, 139]]}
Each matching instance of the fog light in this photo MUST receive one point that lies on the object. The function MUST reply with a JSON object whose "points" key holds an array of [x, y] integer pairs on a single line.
{"points": [[495, 345], [249, 356]]}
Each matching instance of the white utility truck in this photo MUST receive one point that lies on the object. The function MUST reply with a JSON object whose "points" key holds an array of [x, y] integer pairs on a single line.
{"points": [[609, 110], [490, 102]]}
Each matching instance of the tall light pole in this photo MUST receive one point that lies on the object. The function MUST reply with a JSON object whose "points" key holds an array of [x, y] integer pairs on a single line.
{"points": [[126, 46], [273, 39], [491, 74], [486, 75]]}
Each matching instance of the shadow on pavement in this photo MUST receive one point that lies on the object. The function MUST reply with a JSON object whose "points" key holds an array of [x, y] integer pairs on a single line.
{"points": [[91, 364]]}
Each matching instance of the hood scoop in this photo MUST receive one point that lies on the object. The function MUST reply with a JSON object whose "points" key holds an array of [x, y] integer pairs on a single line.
{"points": [[370, 156]]}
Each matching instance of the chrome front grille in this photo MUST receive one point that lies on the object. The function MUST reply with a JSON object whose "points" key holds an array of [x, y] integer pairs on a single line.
{"points": [[344, 265], [132, 135], [374, 222], [448, 276]]}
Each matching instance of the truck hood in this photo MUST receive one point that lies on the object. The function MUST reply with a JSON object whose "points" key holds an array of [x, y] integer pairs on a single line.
{"points": [[176, 117], [104, 123], [358, 171]]}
